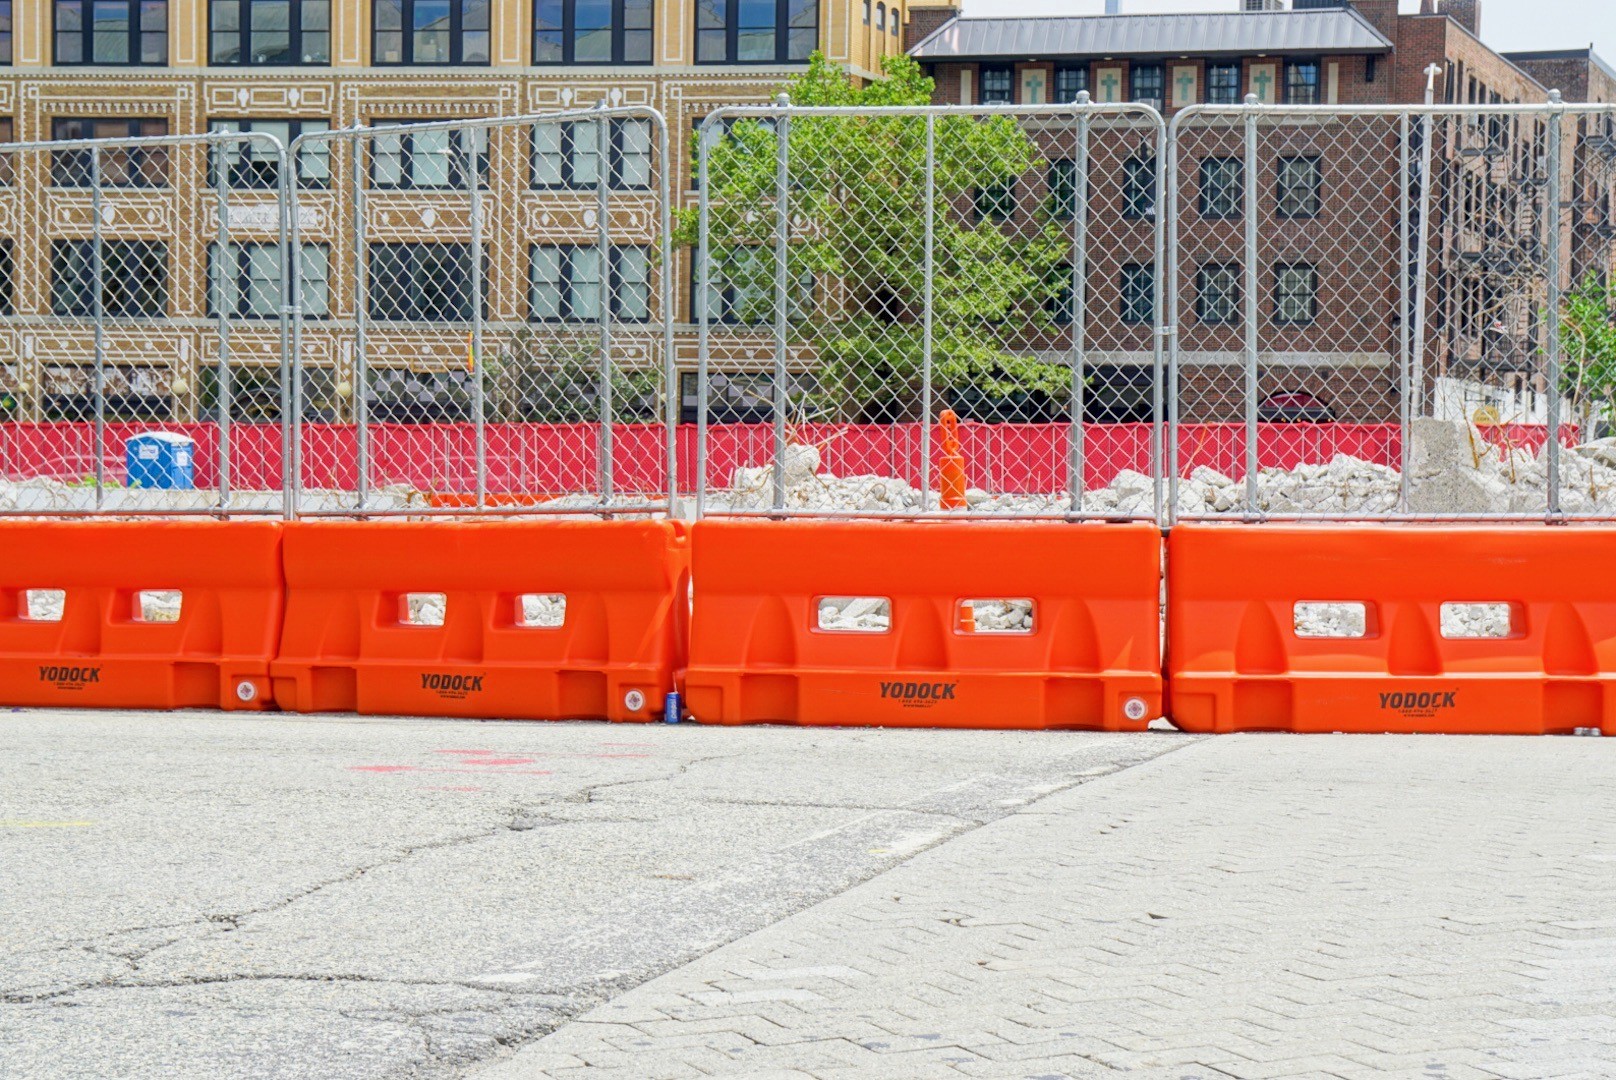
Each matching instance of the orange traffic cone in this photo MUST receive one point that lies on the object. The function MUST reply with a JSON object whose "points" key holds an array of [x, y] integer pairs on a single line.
{"points": [[951, 470]]}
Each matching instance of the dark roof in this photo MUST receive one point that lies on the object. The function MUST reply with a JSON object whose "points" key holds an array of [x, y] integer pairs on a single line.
{"points": [[1587, 54], [1328, 31]]}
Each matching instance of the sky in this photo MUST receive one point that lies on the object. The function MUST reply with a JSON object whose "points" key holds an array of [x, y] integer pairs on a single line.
{"points": [[1506, 25]]}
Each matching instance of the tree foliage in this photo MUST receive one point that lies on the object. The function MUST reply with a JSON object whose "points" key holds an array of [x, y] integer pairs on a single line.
{"points": [[857, 201], [1588, 347]]}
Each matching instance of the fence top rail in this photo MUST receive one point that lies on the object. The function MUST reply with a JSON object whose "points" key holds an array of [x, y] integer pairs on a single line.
{"points": [[1081, 107], [1253, 107], [206, 138], [387, 128]]}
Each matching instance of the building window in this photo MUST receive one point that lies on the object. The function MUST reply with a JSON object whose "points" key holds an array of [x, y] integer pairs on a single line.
{"points": [[1223, 189], [1217, 294], [1139, 188], [427, 159], [1223, 84], [741, 289], [1062, 296], [564, 284], [1301, 180], [567, 156], [111, 31], [1296, 294], [121, 166], [420, 282], [880, 18], [134, 278], [592, 31], [1062, 188], [1138, 293], [866, 12], [252, 165], [282, 32], [8, 134], [251, 282], [1145, 84], [430, 32], [998, 85], [1070, 81], [1301, 82], [756, 31], [8, 279], [893, 25], [996, 202], [5, 35]]}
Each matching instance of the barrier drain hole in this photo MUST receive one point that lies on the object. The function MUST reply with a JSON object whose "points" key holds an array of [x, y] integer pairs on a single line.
{"points": [[421, 608], [43, 605], [1010, 616], [158, 605], [1484, 620], [1331, 619], [543, 611], [855, 614]]}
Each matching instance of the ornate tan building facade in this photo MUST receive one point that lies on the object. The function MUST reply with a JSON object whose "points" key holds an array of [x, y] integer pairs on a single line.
{"points": [[108, 69]]}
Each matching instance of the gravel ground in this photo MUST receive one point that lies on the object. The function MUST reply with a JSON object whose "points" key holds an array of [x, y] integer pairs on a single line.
{"points": [[195, 895]]}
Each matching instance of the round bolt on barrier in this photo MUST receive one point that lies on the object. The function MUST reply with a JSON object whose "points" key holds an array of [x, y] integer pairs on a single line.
{"points": [[246, 691], [1135, 708], [634, 701]]}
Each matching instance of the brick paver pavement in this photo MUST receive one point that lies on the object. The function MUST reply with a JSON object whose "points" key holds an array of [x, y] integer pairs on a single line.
{"points": [[1249, 906]]}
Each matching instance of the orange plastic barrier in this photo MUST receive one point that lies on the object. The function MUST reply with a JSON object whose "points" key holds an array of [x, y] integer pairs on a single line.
{"points": [[349, 644], [83, 621], [1236, 661], [1091, 660]]}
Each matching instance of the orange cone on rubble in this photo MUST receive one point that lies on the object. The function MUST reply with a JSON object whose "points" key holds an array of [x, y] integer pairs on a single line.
{"points": [[951, 470]]}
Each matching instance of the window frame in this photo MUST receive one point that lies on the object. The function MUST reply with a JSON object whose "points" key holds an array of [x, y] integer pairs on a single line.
{"points": [[1135, 70], [996, 204], [1280, 296], [800, 299], [244, 34], [295, 127], [407, 154], [63, 163], [407, 31], [1062, 183], [1315, 196], [1133, 194], [615, 157], [1072, 70], [1204, 203], [8, 35], [1295, 64], [1128, 276], [113, 271], [1233, 297], [1009, 91], [243, 250], [135, 35], [611, 303], [568, 31], [413, 249], [1213, 69], [731, 27]]}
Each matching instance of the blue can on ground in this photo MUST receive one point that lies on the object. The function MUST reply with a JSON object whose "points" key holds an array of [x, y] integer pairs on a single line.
{"points": [[160, 460]]}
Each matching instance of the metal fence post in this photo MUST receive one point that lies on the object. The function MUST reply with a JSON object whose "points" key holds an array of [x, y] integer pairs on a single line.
{"points": [[468, 153], [1077, 313], [98, 311], [1253, 308], [703, 299], [782, 296], [291, 329], [361, 374], [1166, 172], [603, 169], [1552, 206], [222, 258], [1422, 250], [1170, 463], [670, 368], [1405, 268], [928, 200]]}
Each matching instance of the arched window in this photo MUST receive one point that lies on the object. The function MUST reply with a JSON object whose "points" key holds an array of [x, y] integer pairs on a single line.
{"points": [[881, 17], [866, 12], [894, 22]]}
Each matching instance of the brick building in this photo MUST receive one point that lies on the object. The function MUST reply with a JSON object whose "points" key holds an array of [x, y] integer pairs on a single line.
{"points": [[1328, 194]]}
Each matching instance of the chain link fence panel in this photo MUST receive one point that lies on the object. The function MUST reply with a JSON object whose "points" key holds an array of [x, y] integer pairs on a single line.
{"points": [[921, 311], [493, 330], [141, 302]]}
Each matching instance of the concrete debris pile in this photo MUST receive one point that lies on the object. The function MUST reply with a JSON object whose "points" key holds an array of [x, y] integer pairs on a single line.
{"points": [[542, 611], [47, 496], [1453, 470], [1350, 619], [1002, 616], [867, 613]]}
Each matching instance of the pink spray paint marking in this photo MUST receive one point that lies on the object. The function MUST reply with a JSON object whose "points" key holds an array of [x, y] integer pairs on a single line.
{"points": [[382, 768]]}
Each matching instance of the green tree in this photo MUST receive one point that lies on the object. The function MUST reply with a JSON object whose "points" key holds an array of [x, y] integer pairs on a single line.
{"points": [[1588, 348], [858, 209]]}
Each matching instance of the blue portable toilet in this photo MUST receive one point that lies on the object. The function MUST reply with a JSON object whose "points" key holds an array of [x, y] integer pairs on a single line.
{"points": [[160, 460]]}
